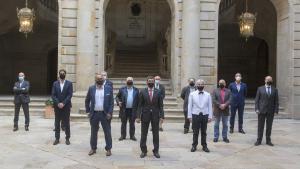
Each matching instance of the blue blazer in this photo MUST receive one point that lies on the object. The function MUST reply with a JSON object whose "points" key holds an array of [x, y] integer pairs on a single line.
{"points": [[122, 97], [90, 101], [63, 96], [238, 97]]}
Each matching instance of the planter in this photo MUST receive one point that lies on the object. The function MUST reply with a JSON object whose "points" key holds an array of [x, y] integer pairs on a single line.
{"points": [[49, 112]]}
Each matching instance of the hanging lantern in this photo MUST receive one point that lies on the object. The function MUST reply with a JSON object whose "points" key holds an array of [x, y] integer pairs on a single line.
{"points": [[247, 21], [26, 17]]}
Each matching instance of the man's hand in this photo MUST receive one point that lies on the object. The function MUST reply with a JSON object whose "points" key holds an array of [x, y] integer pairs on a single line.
{"points": [[60, 105], [23, 88], [138, 120], [190, 119], [209, 120], [161, 120], [15, 87], [222, 106], [120, 104], [108, 116]]}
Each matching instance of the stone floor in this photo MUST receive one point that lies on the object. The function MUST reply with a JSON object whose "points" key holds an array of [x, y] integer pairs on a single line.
{"points": [[34, 149]]}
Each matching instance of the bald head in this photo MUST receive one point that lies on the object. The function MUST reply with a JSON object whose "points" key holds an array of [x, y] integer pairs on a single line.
{"points": [[200, 84], [268, 80]]}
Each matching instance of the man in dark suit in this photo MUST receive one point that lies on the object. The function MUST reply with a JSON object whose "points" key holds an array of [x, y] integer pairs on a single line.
{"points": [[162, 89], [106, 80], [266, 105], [21, 91], [239, 92], [62, 92], [150, 110], [221, 100], [185, 92], [128, 99], [99, 104]]}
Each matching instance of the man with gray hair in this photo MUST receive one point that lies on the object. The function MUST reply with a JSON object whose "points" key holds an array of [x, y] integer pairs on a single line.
{"points": [[199, 113]]}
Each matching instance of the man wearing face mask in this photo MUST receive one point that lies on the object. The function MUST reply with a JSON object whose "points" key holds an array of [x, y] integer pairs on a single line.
{"points": [[221, 100], [185, 92], [162, 89], [62, 92], [106, 80], [99, 104], [200, 113], [21, 98], [238, 91], [266, 105], [127, 99], [150, 110]]}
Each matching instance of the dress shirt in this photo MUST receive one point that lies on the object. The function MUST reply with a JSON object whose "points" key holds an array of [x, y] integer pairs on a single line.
{"points": [[129, 102], [152, 90], [238, 86], [200, 103], [21, 83], [99, 98], [62, 84], [157, 85], [268, 89], [192, 89]]}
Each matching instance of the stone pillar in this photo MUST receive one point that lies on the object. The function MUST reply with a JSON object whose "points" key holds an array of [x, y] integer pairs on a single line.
{"points": [[190, 57], [85, 61]]}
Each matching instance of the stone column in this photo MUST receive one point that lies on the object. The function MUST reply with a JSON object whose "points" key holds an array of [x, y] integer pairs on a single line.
{"points": [[190, 57], [85, 62]]}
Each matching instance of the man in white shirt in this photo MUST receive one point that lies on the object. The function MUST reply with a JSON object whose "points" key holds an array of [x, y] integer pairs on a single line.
{"points": [[199, 113]]}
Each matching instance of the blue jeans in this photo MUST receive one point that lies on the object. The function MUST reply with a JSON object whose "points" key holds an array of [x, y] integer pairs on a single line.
{"points": [[225, 126]]}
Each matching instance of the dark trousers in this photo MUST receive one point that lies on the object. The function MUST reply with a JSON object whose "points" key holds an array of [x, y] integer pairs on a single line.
{"points": [[25, 107], [155, 133], [268, 117], [199, 122], [62, 115], [128, 116], [186, 120], [100, 117], [240, 108]]}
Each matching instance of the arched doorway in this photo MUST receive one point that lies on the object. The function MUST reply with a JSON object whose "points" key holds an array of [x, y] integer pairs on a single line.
{"points": [[29, 55], [255, 58], [138, 38]]}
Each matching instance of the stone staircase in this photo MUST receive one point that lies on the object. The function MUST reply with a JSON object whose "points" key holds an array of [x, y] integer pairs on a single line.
{"points": [[36, 106]]}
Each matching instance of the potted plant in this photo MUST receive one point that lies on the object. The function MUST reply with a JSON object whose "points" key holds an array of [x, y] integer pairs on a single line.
{"points": [[49, 111]]}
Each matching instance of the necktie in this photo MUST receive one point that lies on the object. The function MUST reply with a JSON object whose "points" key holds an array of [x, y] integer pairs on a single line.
{"points": [[150, 94], [269, 93]]}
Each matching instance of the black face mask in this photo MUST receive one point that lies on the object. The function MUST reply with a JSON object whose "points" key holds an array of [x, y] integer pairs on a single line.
{"points": [[129, 83], [99, 82], [200, 88], [192, 84], [150, 85], [62, 76], [269, 83], [221, 86]]}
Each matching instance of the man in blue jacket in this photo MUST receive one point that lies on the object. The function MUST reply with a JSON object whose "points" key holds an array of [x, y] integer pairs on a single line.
{"points": [[62, 92], [238, 93], [99, 104]]}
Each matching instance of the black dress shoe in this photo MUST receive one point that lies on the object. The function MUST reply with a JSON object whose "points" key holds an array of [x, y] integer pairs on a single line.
{"points": [[56, 142], [68, 142], [156, 155], [205, 149], [143, 155], [15, 129], [26, 128], [215, 140], [186, 131], [242, 131], [92, 152], [161, 129], [226, 140], [270, 143], [108, 153], [133, 138], [63, 128], [121, 138], [257, 143], [231, 130], [193, 149]]}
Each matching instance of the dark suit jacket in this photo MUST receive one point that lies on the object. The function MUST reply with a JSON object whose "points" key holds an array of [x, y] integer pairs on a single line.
{"points": [[122, 97], [90, 101], [21, 96], [109, 83], [238, 97], [265, 103], [148, 110], [62, 97], [217, 101], [162, 90], [185, 92]]}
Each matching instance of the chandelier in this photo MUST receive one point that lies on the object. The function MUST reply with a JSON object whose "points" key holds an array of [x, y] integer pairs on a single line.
{"points": [[247, 21], [26, 17]]}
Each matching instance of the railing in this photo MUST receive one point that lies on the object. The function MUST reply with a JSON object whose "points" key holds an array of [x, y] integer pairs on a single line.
{"points": [[226, 4], [50, 4]]}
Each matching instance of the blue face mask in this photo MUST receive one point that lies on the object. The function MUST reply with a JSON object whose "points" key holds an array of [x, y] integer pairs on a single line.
{"points": [[21, 78]]}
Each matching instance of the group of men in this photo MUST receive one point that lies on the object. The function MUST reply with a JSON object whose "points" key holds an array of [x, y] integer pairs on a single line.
{"points": [[146, 107]]}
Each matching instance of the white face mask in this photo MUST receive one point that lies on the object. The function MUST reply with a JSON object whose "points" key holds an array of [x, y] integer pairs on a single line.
{"points": [[21, 78], [157, 81]]}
